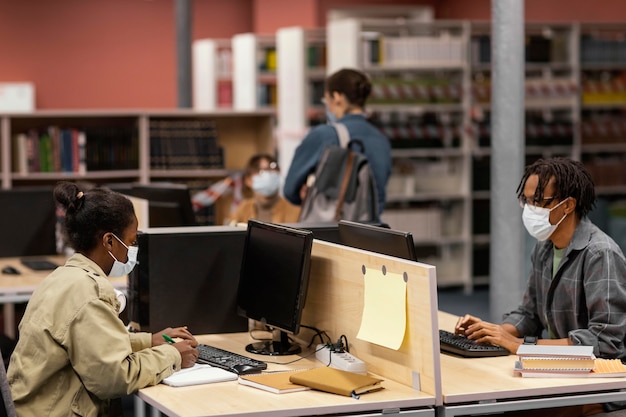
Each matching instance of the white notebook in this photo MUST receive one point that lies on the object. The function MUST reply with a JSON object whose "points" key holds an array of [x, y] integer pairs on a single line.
{"points": [[199, 374]]}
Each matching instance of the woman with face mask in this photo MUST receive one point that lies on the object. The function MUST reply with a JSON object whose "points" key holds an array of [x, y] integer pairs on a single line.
{"points": [[262, 177], [576, 291], [74, 355]]}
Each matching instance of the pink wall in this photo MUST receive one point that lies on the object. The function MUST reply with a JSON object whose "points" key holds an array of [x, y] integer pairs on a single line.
{"points": [[539, 10], [104, 54], [121, 53], [271, 15]]}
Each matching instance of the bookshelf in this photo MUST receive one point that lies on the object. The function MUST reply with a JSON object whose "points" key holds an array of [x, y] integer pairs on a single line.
{"points": [[212, 74], [125, 145], [301, 71], [254, 71], [552, 112], [419, 72]]}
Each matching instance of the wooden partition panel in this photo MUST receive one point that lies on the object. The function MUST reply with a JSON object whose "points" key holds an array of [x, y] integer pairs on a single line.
{"points": [[335, 302]]}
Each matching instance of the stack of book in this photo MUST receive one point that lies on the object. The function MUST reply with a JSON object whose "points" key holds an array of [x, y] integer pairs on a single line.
{"points": [[541, 361]]}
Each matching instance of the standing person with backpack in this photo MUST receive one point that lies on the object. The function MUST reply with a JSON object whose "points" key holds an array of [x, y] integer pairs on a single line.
{"points": [[345, 93]]}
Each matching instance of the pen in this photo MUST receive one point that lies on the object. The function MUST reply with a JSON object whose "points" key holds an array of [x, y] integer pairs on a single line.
{"points": [[168, 339]]}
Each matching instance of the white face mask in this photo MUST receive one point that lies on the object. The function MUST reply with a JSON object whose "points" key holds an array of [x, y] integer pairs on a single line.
{"points": [[537, 221], [120, 269], [266, 183]]}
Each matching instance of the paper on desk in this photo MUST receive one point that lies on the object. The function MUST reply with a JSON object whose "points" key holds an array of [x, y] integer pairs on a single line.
{"points": [[199, 374], [384, 309]]}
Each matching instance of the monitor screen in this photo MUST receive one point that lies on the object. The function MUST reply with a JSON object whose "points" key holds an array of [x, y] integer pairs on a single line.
{"points": [[273, 281], [377, 239]]}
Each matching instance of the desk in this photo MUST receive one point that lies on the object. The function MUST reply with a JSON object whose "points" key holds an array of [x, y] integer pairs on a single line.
{"points": [[495, 389], [19, 288], [231, 398]]}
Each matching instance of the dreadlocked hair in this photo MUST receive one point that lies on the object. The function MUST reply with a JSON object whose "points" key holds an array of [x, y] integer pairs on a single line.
{"points": [[571, 179]]}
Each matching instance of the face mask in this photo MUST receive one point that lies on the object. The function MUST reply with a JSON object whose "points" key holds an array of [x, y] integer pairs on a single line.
{"points": [[266, 183], [537, 221], [120, 269], [330, 117]]}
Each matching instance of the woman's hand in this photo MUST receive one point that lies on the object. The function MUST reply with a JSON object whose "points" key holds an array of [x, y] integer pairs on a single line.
{"points": [[188, 353], [177, 332]]}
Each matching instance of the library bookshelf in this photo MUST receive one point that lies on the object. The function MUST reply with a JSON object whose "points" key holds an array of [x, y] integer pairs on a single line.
{"points": [[575, 102], [129, 146], [420, 72], [212, 74]]}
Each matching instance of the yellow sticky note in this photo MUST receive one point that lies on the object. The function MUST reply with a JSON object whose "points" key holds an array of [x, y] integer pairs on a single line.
{"points": [[384, 309]]}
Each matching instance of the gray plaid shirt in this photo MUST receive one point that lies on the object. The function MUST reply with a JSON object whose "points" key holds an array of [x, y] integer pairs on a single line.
{"points": [[586, 299]]}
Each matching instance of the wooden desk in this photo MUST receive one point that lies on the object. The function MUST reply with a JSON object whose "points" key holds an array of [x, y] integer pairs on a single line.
{"points": [[477, 385], [19, 288], [335, 303], [232, 398]]}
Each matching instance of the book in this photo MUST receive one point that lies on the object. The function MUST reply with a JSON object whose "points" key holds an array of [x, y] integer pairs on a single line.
{"points": [[276, 382], [555, 357], [604, 368], [199, 374], [555, 351], [337, 381]]}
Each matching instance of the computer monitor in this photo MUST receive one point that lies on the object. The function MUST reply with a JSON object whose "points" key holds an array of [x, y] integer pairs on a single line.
{"points": [[27, 222], [187, 276], [273, 282], [326, 231], [169, 204], [377, 239]]}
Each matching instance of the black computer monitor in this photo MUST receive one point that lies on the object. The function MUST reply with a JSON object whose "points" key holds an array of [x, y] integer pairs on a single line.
{"points": [[187, 276], [169, 204], [326, 231], [377, 239], [273, 282], [27, 222]]}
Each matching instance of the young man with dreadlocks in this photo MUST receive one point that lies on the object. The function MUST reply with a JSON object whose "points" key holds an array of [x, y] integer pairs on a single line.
{"points": [[576, 292]]}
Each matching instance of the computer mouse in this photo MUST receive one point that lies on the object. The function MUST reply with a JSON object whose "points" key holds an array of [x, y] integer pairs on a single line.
{"points": [[10, 270], [246, 369]]}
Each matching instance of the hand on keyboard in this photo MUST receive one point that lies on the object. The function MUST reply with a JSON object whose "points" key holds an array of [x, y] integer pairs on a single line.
{"points": [[461, 345], [230, 361]]}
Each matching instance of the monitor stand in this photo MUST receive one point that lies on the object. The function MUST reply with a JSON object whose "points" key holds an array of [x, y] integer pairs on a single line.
{"points": [[275, 347]]}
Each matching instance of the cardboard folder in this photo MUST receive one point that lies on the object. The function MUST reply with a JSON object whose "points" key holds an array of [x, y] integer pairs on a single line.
{"points": [[337, 381]]}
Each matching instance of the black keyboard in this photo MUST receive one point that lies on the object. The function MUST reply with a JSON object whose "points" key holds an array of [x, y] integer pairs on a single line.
{"points": [[230, 361], [39, 264], [461, 345]]}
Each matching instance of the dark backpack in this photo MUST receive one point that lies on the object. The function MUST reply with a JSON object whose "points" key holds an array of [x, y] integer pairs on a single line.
{"points": [[344, 186]]}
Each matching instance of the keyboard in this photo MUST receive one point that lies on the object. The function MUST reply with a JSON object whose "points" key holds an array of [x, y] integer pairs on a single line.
{"points": [[461, 345], [39, 264], [230, 361]]}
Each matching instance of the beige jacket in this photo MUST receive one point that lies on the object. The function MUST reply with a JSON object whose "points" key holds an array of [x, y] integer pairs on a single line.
{"points": [[74, 352], [282, 212]]}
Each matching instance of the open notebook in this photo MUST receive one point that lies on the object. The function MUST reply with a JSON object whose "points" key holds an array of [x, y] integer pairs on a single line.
{"points": [[199, 374]]}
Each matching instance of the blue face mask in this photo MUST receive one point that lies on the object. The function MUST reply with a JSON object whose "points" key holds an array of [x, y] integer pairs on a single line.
{"points": [[330, 116], [120, 269], [266, 183]]}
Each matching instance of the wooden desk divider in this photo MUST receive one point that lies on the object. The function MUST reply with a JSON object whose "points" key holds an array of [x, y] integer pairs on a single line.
{"points": [[335, 304]]}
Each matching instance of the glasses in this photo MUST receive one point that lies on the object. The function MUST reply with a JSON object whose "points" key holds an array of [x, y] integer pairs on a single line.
{"points": [[537, 203]]}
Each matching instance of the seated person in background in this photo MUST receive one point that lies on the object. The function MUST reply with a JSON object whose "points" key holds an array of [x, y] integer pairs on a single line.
{"points": [[74, 355], [227, 186], [576, 291], [263, 178]]}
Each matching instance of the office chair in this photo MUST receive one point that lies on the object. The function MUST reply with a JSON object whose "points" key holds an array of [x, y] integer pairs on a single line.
{"points": [[7, 409]]}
